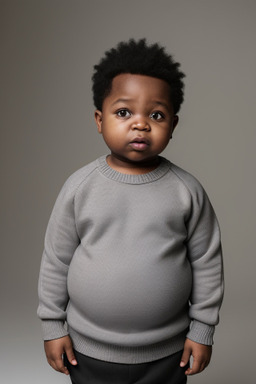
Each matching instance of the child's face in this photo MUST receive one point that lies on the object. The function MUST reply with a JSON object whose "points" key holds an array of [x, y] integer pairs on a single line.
{"points": [[136, 121]]}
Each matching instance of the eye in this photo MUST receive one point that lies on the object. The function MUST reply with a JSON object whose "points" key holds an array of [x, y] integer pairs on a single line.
{"points": [[157, 115], [123, 113]]}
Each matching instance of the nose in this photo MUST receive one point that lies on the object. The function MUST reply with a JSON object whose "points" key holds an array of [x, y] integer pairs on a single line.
{"points": [[141, 124]]}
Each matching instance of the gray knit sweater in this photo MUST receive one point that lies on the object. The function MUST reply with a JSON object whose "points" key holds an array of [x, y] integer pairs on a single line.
{"points": [[132, 264]]}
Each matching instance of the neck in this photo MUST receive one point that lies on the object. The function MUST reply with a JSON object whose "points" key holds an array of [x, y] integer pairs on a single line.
{"points": [[132, 168]]}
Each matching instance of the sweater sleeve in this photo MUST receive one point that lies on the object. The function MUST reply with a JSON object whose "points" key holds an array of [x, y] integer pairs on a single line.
{"points": [[205, 255], [61, 240]]}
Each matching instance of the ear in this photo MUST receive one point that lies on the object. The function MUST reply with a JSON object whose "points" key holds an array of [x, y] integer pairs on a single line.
{"points": [[174, 123], [98, 119]]}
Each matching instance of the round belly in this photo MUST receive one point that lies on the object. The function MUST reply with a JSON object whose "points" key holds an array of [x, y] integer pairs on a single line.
{"points": [[129, 296]]}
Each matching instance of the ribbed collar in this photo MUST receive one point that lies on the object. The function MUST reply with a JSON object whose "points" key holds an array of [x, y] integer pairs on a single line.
{"points": [[111, 173]]}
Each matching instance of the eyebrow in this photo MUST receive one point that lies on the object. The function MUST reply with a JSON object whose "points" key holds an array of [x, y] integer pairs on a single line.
{"points": [[121, 100], [125, 100], [162, 103]]}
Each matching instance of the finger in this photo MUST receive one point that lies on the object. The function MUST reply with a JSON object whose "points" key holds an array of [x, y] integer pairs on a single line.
{"points": [[185, 357], [197, 367], [189, 372], [70, 355], [58, 365]]}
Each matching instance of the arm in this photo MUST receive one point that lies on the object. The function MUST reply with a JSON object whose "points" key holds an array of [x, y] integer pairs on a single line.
{"points": [[205, 255], [61, 240]]}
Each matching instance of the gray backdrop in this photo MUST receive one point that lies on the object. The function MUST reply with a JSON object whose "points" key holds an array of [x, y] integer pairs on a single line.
{"points": [[48, 48]]}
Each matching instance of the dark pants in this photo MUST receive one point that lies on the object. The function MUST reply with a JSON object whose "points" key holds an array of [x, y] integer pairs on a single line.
{"points": [[92, 371]]}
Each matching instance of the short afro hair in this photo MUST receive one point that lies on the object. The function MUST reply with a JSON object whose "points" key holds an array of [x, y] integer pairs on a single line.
{"points": [[137, 57]]}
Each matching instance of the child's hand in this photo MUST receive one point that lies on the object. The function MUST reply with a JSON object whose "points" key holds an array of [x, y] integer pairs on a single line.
{"points": [[54, 350], [201, 356]]}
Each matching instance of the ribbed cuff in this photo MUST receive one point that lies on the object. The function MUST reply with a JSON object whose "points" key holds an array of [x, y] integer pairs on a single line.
{"points": [[53, 329], [201, 333]]}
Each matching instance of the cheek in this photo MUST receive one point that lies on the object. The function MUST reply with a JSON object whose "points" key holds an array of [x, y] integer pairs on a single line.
{"points": [[112, 136], [163, 136], [113, 130]]}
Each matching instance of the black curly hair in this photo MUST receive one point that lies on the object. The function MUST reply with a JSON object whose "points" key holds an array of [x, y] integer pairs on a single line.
{"points": [[137, 57]]}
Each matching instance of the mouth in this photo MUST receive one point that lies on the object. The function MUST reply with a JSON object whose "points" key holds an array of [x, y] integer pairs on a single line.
{"points": [[139, 143]]}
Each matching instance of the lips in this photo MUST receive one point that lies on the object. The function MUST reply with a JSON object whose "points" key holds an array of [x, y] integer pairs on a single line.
{"points": [[139, 143], [140, 140]]}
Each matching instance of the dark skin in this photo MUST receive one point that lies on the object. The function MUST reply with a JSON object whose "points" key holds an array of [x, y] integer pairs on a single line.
{"points": [[201, 356], [54, 350], [137, 122], [137, 108]]}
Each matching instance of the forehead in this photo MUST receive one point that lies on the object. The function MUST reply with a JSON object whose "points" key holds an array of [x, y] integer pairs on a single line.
{"points": [[140, 86]]}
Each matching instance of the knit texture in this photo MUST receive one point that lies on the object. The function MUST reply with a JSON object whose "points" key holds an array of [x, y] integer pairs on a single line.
{"points": [[132, 263]]}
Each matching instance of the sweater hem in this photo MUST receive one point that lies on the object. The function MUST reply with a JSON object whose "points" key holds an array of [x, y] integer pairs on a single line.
{"points": [[126, 355]]}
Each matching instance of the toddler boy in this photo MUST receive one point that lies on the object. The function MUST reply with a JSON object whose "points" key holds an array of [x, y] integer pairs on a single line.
{"points": [[132, 260]]}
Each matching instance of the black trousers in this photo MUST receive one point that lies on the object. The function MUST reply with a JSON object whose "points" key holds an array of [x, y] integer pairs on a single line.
{"points": [[92, 371]]}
